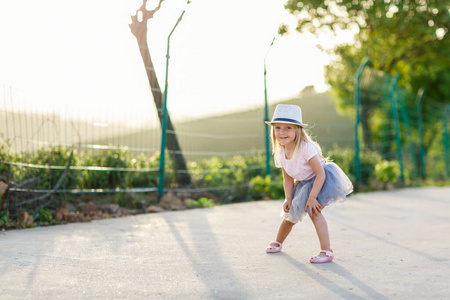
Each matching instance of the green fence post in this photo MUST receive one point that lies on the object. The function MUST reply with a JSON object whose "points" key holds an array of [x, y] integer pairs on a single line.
{"points": [[419, 102], [405, 119], [397, 127], [266, 115], [164, 112], [357, 109], [446, 140]]}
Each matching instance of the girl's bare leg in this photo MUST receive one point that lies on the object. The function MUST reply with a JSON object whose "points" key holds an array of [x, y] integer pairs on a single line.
{"points": [[322, 232], [284, 230]]}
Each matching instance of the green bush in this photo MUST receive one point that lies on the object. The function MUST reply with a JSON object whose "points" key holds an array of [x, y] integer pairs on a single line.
{"points": [[44, 217], [56, 156], [5, 156], [345, 158], [201, 203], [387, 172], [5, 220], [110, 178], [266, 187], [228, 177], [142, 178], [276, 187]]}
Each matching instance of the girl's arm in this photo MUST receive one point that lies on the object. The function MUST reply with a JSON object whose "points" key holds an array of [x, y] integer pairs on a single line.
{"points": [[288, 184], [312, 203]]}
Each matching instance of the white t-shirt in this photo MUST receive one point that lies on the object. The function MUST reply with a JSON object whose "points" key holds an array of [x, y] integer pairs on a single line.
{"points": [[298, 167]]}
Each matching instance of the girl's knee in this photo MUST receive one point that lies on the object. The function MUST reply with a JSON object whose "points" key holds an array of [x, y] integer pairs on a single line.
{"points": [[314, 217]]}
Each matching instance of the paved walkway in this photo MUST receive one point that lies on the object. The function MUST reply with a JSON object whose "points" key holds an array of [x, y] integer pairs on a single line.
{"points": [[388, 245]]}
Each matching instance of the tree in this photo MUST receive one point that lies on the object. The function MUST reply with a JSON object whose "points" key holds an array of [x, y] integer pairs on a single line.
{"points": [[405, 37], [139, 30]]}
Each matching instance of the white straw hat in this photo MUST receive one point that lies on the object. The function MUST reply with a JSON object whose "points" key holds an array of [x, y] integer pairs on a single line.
{"points": [[287, 114]]}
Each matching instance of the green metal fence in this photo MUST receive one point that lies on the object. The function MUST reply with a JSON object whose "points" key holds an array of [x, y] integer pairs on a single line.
{"points": [[409, 128]]}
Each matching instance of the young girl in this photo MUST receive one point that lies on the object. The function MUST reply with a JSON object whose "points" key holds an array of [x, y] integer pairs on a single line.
{"points": [[310, 181]]}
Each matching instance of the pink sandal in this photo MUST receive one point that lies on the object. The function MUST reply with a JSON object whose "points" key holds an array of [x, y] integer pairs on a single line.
{"points": [[272, 248], [320, 260]]}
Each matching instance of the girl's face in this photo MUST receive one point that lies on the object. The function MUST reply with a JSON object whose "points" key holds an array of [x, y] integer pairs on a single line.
{"points": [[284, 133]]}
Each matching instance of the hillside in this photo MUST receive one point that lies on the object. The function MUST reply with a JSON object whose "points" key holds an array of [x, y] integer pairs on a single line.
{"points": [[219, 135], [243, 132], [29, 131]]}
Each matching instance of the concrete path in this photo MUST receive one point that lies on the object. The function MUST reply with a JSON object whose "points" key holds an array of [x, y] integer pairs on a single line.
{"points": [[388, 245]]}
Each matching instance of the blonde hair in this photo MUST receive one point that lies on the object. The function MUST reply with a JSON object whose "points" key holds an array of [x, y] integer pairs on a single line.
{"points": [[300, 135]]}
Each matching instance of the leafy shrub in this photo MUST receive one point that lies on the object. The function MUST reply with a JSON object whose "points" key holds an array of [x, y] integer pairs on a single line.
{"points": [[387, 172], [5, 156], [5, 220], [44, 217], [55, 156], [230, 175], [142, 178], [345, 158], [266, 187], [260, 187], [277, 188], [110, 178], [202, 202], [230, 179]]}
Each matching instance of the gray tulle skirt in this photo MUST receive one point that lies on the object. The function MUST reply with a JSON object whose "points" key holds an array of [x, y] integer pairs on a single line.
{"points": [[335, 189]]}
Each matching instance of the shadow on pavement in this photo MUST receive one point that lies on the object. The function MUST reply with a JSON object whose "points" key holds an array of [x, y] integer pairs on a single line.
{"points": [[330, 285], [207, 260]]}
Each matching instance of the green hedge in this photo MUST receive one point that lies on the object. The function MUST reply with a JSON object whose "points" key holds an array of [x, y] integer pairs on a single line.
{"points": [[229, 179]]}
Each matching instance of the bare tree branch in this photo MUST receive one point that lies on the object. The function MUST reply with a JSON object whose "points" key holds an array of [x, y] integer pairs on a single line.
{"points": [[138, 27], [52, 193]]}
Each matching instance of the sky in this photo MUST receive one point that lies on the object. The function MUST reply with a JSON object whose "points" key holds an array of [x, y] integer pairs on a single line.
{"points": [[80, 57]]}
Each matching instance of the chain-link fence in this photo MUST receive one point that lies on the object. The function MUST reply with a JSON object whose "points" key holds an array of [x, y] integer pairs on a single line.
{"points": [[411, 129]]}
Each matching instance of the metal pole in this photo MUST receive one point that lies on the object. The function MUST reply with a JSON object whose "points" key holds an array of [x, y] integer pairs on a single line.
{"points": [[164, 112], [266, 115], [404, 116], [357, 108], [419, 102], [446, 140], [397, 127]]}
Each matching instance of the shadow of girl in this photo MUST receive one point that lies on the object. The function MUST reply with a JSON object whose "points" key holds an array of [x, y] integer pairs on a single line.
{"points": [[313, 271]]}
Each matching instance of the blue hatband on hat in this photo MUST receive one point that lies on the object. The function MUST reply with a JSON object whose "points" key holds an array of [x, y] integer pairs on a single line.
{"points": [[286, 120]]}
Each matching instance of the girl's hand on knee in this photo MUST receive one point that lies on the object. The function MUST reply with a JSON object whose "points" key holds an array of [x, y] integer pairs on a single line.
{"points": [[314, 206], [287, 205]]}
